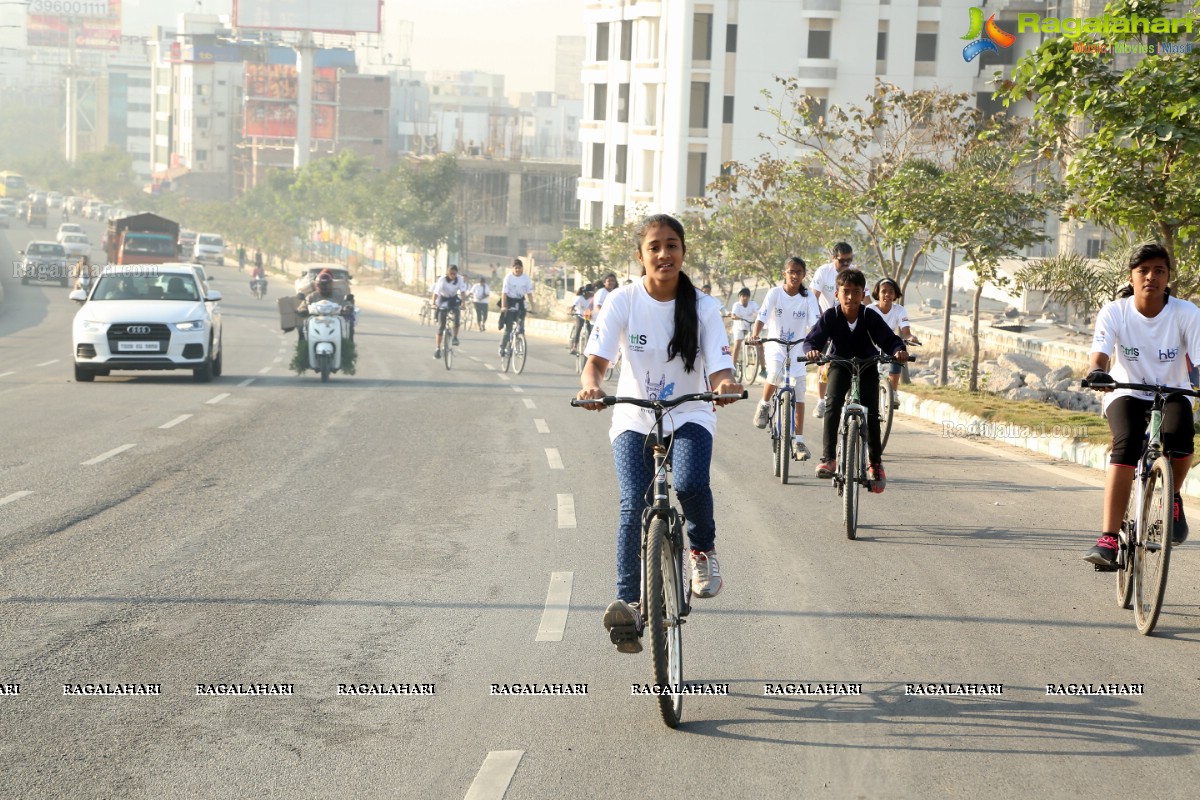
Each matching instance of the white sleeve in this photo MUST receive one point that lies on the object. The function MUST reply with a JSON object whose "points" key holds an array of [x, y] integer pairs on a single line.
{"points": [[1104, 337], [764, 313], [1191, 331], [902, 320], [714, 341], [608, 331], [814, 313]]}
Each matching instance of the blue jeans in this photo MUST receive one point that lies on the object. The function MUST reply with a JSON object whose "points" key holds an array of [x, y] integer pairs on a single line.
{"points": [[691, 454]]}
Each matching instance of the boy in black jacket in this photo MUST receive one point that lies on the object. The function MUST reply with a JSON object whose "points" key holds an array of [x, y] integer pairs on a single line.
{"points": [[854, 332]]}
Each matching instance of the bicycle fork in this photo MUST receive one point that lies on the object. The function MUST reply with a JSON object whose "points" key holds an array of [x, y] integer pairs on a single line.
{"points": [[661, 508], [852, 472]]}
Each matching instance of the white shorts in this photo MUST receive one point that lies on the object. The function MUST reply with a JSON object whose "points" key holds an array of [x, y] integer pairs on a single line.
{"points": [[774, 368], [741, 330]]}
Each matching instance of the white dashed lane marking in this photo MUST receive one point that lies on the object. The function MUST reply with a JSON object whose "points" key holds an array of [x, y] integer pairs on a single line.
{"points": [[529, 403], [246, 383], [558, 605], [518, 390], [216, 399], [495, 775], [566, 511], [116, 451], [176, 421], [47, 363], [554, 459], [504, 378], [15, 496], [6, 374], [489, 366], [541, 426], [264, 370]]}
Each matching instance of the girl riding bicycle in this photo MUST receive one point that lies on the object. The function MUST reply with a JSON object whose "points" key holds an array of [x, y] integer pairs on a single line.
{"points": [[673, 341], [888, 298], [1152, 335]]}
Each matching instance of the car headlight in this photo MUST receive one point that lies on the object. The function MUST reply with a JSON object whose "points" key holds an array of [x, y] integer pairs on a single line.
{"points": [[93, 327], [190, 325]]}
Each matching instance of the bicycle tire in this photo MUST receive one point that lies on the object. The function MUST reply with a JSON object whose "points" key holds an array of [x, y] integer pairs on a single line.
{"points": [[739, 365], [886, 395], [579, 359], [773, 425], [850, 468], [1154, 546], [447, 352], [752, 365], [519, 353], [1125, 573], [663, 619], [785, 439]]}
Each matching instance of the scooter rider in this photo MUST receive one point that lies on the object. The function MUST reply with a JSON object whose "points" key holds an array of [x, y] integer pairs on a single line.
{"points": [[325, 290], [259, 274]]}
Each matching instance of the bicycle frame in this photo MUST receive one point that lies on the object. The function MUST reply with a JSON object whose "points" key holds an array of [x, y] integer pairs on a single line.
{"points": [[661, 508]]}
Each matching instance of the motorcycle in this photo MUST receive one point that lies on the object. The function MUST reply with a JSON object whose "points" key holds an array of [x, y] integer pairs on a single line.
{"points": [[325, 332], [259, 287], [84, 282]]}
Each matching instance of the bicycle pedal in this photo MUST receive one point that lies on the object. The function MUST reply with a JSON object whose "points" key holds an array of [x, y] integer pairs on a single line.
{"points": [[626, 638], [1105, 568]]}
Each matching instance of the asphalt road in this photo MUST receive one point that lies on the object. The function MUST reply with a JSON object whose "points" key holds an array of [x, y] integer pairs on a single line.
{"points": [[404, 526]]}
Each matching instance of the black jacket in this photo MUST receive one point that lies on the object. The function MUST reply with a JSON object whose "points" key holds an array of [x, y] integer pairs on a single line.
{"points": [[870, 336]]}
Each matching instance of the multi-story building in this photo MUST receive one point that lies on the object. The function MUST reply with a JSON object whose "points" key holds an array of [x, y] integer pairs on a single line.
{"points": [[125, 98], [568, 65]]}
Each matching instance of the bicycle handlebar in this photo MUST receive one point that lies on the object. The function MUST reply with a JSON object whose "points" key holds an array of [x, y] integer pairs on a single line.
{"points": [[856, 361], [1140, 387], [785, 342], [703, 397]]}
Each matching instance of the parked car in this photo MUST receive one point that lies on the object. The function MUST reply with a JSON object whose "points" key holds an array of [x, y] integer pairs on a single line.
{"points": [[209, 249], [44, 261], [136, 319]]}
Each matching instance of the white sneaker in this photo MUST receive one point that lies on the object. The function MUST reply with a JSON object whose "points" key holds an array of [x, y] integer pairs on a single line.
{"points": [[799, 451], [762, 415], [895, 402], [819, 411], [706, 574]]}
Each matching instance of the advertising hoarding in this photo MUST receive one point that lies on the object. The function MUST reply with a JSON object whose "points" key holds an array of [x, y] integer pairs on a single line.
{"points": [[339, 16], [271, 95], [97, 23]]}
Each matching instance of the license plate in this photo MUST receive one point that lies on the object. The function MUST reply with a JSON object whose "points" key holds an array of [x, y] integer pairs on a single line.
{"points": [[137, 347]]}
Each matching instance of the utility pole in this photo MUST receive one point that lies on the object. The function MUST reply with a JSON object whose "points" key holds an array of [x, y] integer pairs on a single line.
{"points": [[305, 63], [72, 128]]}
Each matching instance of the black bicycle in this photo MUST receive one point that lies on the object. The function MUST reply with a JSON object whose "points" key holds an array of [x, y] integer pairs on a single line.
{"points": [[514, 352], [666, 589], [1144, 541]]}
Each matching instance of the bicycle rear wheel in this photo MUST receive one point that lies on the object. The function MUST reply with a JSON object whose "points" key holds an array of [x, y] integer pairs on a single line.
{"points": [[1127, 555], [518, 355], [886, 395], [1154, 546], [739, 365], [850, 468], [751, 365], [786, 408], [663, 593]]}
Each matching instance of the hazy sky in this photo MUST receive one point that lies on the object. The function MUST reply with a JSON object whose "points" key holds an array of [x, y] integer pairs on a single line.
{"points": [[512, 37]]}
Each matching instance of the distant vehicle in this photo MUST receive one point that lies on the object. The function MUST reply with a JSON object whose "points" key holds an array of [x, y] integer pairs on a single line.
{"points": [[74, 204], [68, 227], [44, 261], [75, 244], [35, 213], [187, 243], [210, 248], [141, 239], [54, 199], [8, 212], [12, 184]]}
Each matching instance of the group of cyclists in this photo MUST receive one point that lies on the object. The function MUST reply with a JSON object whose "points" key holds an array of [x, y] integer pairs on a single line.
{"points": [[451, 290], [673, 339]]}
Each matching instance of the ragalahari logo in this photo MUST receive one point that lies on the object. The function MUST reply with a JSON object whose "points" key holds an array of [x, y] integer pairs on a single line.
{"points": [[985, 36]]}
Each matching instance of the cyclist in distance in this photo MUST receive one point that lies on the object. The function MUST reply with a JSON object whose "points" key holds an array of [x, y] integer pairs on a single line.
{"points": [[516, 287], [673, 341], [1151, 333], [788, 312], [610, 284], [854, 333], [888, 298], [824, 286], [581, 311], [744, 311], [447, 298]]}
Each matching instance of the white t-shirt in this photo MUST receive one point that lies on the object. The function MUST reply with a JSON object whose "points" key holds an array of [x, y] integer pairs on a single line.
{"points": [[787, 317], [444, 288], [581, 305], [480, 292], [517, 287], [824, 280], [641, 328], [744, 313], [599, 298], [1148, 349], [897, 317]]}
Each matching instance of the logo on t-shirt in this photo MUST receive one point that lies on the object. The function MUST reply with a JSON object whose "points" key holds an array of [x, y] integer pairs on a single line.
{"points": [[1168, 354], [660, 390], [1129, 352], [637, 342]]}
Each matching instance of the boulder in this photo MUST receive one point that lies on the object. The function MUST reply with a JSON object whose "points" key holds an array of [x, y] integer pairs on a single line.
{"points": [[1063, 385], [1058, 374], [1018, 362], [1034, 381], [1029, 393]]}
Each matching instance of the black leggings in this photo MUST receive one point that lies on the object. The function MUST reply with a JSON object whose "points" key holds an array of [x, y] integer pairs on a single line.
{"points": [[445, 319], [1128, 417]]}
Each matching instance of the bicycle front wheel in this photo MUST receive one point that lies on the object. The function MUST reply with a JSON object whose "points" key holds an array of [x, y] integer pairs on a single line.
{"points": [[886, 396], [518, 355], [850, 465], [786, 408], [1154, 546], [1127, 553], [447, 351], [751, 365], [663, 605]]}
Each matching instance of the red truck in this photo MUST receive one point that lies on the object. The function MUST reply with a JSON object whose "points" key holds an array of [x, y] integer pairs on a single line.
{"points": [[141, 239]]}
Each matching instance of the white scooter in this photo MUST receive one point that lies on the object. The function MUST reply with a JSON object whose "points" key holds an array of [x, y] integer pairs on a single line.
{"points": [[324, 331]]}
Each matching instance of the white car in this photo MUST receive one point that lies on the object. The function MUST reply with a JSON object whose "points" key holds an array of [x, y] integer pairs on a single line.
{"points": [[68, 227], [210, 248], [54, 200], [147, 317], [75, 244]]}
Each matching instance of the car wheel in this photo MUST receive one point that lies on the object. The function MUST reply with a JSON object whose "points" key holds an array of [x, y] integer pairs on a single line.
{"points": [[216, 367], [204, 374], [83, 376]]}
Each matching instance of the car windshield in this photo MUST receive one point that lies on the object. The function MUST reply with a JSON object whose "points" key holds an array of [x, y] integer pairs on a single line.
{"points": [[147, 287], [212, 240], [44, 249], [150, 245]]}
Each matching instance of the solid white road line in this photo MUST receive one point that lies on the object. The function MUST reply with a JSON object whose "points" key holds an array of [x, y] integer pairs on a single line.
{"points": [[116, 451], [216, 399], [246, 383], [541, 426], [554, 458], [566, 511], [558, 604], [491, 783], [176, 421], [529, 403], [47, 363], [14, 497]]}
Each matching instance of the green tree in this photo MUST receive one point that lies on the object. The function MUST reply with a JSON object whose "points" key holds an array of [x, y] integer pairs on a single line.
{"points": [[1128, 138], [584, 249]]}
